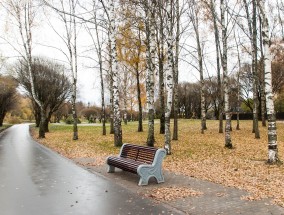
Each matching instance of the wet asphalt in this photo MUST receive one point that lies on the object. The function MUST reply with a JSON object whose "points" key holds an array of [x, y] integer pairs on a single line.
{"points": [[37, 181]]}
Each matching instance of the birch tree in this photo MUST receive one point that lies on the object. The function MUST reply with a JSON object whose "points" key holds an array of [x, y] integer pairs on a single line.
{"points": [[110, 77], [149, 7], [272, 133], [176, 69], [161, 60], [194, 17], [215, 19], [169, 73], [97, 40], [69, 38], [238, 83], [114, 68], [251, 22], [24, 14], [137, 74], [262, 79], [228, 141], [133, 57]]}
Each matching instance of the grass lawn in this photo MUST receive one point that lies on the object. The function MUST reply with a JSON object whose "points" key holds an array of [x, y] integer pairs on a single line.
{"points": [[2, 128], [194, 154]]}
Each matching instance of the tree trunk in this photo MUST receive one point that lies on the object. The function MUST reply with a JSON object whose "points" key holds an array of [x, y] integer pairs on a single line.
{"points": [[74, 114], [111, 87], [176, 73], [37, 116], [169, 77], [140, 117], [26, 37], [239, 102], [150, 73], [254, 71], [195, 21], [263, 101], [228, 141], [262, 84], [2, 116], [116, 108], [272, 134], [162, 94], [239, 85], [42, 123], [217, 44], [125, 98], [99, 52], [46, 122], [161, 60], [72, 47]]}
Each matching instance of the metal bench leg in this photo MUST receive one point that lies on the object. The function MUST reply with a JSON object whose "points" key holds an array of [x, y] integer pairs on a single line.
{"points": [[143, 181], [145, 178], [159, 176], [146, 172], [110, 169]]}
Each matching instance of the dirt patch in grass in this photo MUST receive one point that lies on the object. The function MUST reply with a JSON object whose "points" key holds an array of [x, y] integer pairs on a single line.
{"points": [[194, 154]]}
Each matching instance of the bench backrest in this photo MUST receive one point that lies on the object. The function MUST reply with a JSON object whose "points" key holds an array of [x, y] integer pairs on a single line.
{"points": [[143, 154]]}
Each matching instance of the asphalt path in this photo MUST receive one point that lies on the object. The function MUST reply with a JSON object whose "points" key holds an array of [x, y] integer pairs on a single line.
{"points": [[37, 181]]}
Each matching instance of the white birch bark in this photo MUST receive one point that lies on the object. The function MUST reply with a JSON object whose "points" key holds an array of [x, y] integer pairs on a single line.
{"points": [[98, 44], [262, 82], [238, 82], [217, 45], [150, 71], [71, 42], [68, 18], [24, 16], [251, 22], [176, 71], [272, 133], [195, 22], [74, 68], [228, 141], [169, 75], [116, 108], [161, 61], [110, 84]]}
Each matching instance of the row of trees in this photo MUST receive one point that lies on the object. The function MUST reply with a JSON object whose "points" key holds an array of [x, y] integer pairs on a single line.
{"points": [[144, 42]]}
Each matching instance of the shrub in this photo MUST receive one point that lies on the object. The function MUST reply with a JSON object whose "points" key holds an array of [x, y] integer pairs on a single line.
{"points": [[13, 120], [69, 120]]}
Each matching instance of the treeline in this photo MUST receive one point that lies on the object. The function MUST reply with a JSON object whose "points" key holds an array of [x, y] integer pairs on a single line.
{"points": [[137, 48]]}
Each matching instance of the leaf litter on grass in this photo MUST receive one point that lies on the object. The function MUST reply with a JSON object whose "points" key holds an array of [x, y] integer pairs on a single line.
{"points": [[197, 155]]}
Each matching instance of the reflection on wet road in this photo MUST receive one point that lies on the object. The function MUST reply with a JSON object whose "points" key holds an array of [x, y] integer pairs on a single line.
{"points": [[36, 181]]}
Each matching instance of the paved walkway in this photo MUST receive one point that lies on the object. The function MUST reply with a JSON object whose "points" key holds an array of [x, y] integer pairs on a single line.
{"points": [[37, 181], [216, 199]]}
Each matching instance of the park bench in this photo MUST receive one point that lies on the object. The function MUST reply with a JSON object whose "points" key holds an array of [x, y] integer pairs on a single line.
{"points": [[142, 160]]}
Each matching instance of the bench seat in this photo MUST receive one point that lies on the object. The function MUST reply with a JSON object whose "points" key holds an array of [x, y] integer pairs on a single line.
{"points": [[125, 164]]}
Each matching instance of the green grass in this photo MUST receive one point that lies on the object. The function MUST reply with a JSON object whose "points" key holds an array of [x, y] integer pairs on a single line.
{"points": [[5, 126]]}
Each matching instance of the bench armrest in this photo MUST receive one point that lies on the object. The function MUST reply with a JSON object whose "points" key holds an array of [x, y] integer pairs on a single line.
{"points": [[146, 171]]}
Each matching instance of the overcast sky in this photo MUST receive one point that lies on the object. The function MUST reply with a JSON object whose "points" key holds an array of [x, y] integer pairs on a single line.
{"points": [[45, 38]]}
